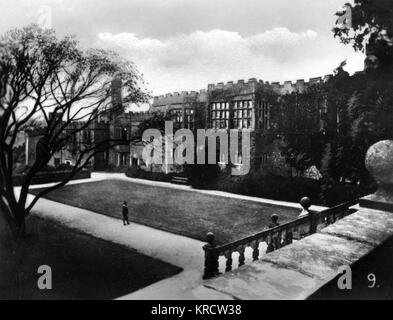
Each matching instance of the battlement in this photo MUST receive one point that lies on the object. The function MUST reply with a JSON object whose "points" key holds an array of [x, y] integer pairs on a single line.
{"points": [[299, 85], [282, 88], [241, 87], [179, 97], [252, 82]]}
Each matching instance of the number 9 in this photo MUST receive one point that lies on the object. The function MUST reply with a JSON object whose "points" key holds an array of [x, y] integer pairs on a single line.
{"points": [[371, 277]]}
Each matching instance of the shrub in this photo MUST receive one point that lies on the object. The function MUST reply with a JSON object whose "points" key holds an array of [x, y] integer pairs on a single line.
{"points": [[113, 168], [134, 172], [257, 184], [333, 193], [202, 176], [48, 168], [65, 167]]}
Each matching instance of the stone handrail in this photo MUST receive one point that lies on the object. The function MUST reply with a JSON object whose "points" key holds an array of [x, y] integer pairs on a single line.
{"points": [[275, 238]]}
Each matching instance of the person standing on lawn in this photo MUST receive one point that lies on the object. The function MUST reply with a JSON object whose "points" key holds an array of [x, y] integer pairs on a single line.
{"points": [[125, 214]]}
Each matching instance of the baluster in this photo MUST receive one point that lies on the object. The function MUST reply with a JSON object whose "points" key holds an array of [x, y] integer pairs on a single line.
{"points": [[229, 261], [274, 242], [320, 219], [288, 237], [242, 258], [255, 253], [278, 240], [296, 233], [269, 242]]}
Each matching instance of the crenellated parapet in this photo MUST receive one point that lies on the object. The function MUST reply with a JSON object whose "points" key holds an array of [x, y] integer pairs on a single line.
{"points": [[252, 83], [244, 87], [300, 85], [239, 87], [179, 98]]}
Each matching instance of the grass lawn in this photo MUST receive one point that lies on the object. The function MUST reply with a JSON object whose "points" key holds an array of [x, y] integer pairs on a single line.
{"points": [[189, 213], [83, 267]]}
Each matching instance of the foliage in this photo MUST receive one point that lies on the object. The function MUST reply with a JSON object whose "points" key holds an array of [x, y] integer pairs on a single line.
{"points": [[372, 23], [296, 119], [363, 102], [155, 121], [368, 119], [258, 184], [363, 106]]}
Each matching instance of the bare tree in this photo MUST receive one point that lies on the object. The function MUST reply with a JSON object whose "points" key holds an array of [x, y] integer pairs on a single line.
{"points": [[51, 81]]}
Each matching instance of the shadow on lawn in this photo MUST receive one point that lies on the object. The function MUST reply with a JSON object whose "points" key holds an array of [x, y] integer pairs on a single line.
{"points": [[83, 267]]}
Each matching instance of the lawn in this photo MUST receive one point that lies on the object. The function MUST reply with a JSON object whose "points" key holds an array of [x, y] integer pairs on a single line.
{"points": [[184, 212], [83, 267]]}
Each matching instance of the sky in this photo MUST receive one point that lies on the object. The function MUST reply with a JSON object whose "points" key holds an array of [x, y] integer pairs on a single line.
{"points": [[182, 45]]}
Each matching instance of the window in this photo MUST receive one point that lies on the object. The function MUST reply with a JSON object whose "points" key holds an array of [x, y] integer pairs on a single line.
{"points": [[242, 114], [265, 159], [124, 134], [324, 107], [123, 159], [177, 117], [117, 133], [263, 115], [189, 118], [262, 161], [220, 115], [86, 136]]}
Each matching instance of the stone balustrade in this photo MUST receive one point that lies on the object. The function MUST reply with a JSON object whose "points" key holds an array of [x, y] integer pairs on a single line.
{"points": [[274, 238], [310, 268]]}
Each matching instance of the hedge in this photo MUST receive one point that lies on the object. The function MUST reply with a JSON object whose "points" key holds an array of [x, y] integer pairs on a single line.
{"points": [[51, 176], [137, 173], [292, 189]]}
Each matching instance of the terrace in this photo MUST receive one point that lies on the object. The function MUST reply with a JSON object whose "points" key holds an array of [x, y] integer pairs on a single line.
{"points": [[358, 244], [244, 258]]}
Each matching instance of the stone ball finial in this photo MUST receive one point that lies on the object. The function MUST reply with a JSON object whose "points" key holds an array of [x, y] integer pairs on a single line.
{"points": [[305, 202], [379, 162], [210, 238]]}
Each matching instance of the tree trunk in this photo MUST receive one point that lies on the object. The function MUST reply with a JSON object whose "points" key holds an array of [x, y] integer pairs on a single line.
{"points": [[20, 224]]}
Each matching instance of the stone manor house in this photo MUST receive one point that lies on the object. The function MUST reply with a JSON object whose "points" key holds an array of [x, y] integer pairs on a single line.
{"points": [[252, 105], [236, 105]]}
